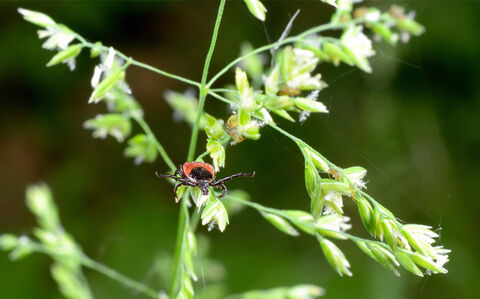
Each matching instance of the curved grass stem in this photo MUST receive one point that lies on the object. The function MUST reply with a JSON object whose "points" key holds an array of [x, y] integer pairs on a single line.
{"points": [[329, 26], [87, 44], [161, 150], [101, 268], [130, 283]]}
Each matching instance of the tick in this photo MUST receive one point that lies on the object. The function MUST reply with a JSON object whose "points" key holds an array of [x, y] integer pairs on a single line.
{"points": [[202, 175]]}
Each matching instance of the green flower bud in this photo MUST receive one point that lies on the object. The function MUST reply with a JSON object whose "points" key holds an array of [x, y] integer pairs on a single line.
{"points": [[366, 214], [302, 220], [411, 26], [427, 263], [256, 8], [384, 257], [141, 148], [329, 185], [385, 32], [106, 85], [284, 114], [377, 223], [69, 53], [287, 63], [216, 213], [278, 102], [355, 174], [96, 50], [365, 248], [23, 249], [214, 127], [251, 130], [8, 241], [116, 125], [316, 51], [39, 201], [243, 117], [360, 61], [319, 162], [188, 255], [310, 105], [336, 54], [241, 81], [272, 80], [316, 206], [37, 18], [217, 153], [389, 228], [407, 263], [280, 223], [312, 181], [335, 257]]}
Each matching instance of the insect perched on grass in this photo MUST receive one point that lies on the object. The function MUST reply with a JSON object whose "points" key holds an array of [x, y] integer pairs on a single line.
{"points": [[202, 175]]}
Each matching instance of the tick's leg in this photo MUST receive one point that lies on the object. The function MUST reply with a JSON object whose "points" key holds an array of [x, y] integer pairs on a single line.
{"points": [[175, 189], [167, 176], [228, 178], [183, 182], [224, 190]]}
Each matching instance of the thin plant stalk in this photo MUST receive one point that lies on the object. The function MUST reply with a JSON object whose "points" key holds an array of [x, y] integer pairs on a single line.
{"points": [[161, 150], [184, 216]]}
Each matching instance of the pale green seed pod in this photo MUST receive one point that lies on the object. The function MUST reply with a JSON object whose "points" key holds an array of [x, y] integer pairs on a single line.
{"points": [[302, 220], [37, 18], [427, 263], [407, 263], [310, 105], [281, 224], [329, 185], [284, 114], [385, 32], [360, 61], [366, 214], [214, 127], [40, 201], [95, 51], [335, 257], [411, 26], [256, 8], [272, 81], [69, 53], [241, 81], [384, 257], [319, 162], [217, 153], [141, 148], [215, 212], [8, 241], [106, 85], [312, 180], [251, 130], [389, 230], [336, 54], [116, 125]]}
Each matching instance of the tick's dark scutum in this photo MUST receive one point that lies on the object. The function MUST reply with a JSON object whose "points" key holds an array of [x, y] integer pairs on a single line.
{"points": [[201, 174]]}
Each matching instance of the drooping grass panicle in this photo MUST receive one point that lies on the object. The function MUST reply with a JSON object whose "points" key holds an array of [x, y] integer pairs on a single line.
{"points": [[259, 95]]}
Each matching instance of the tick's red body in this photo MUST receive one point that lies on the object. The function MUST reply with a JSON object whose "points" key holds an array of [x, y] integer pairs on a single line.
{"points": [[198, 170], [202, 175]]}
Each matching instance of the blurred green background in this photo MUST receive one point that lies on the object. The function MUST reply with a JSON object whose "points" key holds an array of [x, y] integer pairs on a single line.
{"points": [[413, 124]]}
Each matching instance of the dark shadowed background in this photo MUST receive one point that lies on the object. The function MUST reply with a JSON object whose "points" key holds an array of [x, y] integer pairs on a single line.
{"points": [[413, 124]]}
